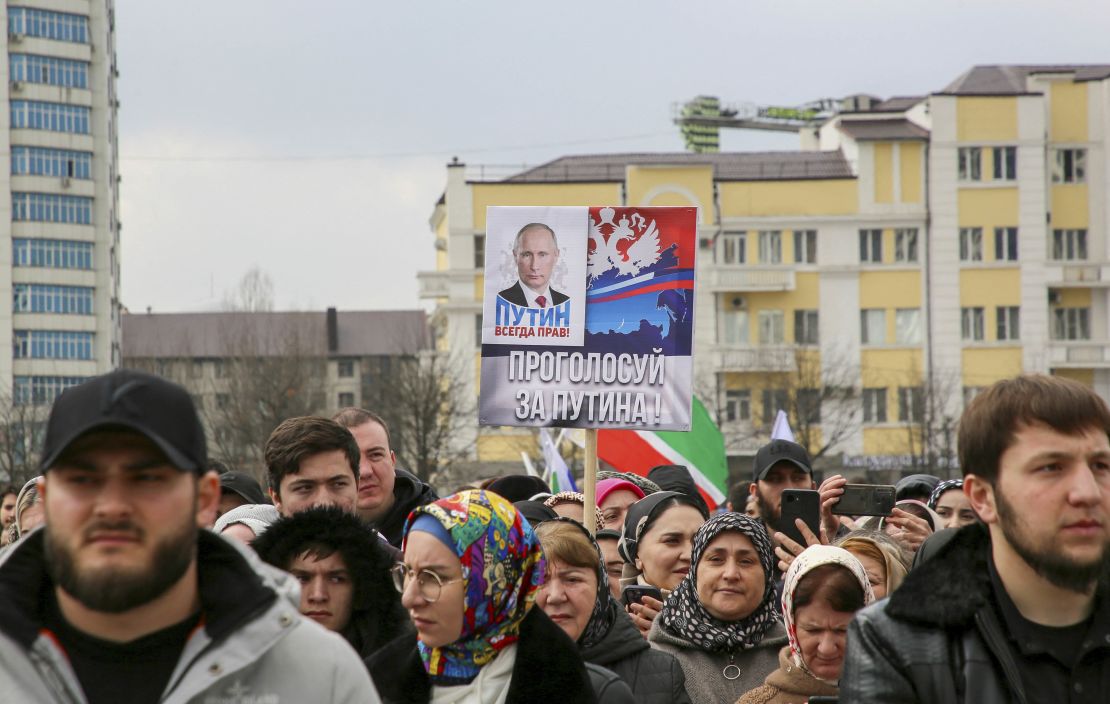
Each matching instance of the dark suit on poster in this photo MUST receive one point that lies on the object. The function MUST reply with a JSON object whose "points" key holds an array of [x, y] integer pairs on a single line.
{"points": [[515, 295]]}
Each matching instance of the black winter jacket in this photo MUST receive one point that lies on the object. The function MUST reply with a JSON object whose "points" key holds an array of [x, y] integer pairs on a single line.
{"points": [[938, 638], [548, 668], [408, 493], [654, 676]]}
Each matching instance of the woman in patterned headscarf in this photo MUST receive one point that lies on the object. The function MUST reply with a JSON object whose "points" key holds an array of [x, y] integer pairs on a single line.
{"points": [[471, 570], [721, 622], [950, 503], [822, 591], [576, 596]]}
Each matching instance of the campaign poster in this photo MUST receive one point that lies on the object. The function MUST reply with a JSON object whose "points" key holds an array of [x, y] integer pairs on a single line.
{"points": [[634, 366], [535, 283]]}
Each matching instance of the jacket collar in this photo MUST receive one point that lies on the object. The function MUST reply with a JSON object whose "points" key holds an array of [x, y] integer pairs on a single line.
{"points": [[949, 588], [543, 648], [622, 641], [231, 590]]}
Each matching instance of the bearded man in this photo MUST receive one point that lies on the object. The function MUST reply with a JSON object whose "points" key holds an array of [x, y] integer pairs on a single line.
{"points": [[1016, 608], [121, 597]]}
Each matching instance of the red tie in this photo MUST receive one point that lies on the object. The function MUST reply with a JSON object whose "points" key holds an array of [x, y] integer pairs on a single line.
{"points": [[541, 301]]}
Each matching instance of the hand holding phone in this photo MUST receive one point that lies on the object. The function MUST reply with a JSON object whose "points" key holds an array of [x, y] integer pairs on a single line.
{"points": [[804, 504], [634, 593], [865, 500]]}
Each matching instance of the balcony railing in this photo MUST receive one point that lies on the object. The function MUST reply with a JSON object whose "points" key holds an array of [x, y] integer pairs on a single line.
{"points": [[753, 358], [434, 284], [1074, 275], [726, 277], [1081, 354]]}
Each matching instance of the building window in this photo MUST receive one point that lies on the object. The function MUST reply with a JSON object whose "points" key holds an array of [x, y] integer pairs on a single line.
{"points": [[196, 369], [46, 298], [59, 26], [911, 404], [51, 207], [1006, 244], [907, 326], [1005, 163], [970, 162], [905, 245], [809, 405], [32, 68], [970, 392], [346, 399], [223, 401], [61, 163], [771, 328], [971, 244], [1069, 244], [872, 326], [52, 117], [1070, 166], [218, 369], [805, 246], [774, 400], [805, 327], [734, 327], [1071, 324], [871, 246], [770, 247], [971, 324], [41, 390], [732, 248], [52, 344], [479, 251], [54, 254], [738, 405], [1008, 322], [478, 331], [874, 405], [346, 368]]}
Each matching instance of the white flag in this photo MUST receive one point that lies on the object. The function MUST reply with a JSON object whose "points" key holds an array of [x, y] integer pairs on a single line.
{"points": [[782, 430]]}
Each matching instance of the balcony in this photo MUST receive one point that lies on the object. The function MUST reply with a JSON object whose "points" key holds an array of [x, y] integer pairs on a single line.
{"points": [[722, 278], [1077, 275], [434, 284], [753, 358], [1079, 354]]}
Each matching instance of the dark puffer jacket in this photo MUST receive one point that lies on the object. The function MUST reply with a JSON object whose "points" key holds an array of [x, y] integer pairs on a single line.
{"points": [[654, 676], [938, 638], [547, 669], [408, 493]]}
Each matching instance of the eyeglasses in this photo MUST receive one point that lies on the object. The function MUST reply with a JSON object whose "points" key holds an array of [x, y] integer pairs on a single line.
{"points": [[428, 584]]}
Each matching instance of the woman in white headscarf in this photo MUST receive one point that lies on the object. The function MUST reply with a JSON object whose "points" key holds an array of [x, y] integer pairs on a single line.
{"points": [[822, 591]]}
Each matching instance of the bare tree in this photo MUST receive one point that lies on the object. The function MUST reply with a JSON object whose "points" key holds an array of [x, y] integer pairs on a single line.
{"points": [[429, 409], [22, 426], [255, 293], [932, 416], [272, 372]]}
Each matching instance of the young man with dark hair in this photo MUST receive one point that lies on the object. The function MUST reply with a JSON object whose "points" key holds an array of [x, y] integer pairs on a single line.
{"points": [[1015, 608], [122, 597], [343, 568], [386, 493], [312, 461]]}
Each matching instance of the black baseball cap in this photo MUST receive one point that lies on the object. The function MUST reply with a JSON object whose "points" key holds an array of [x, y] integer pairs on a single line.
{"points": [[125, 399], [245, 486], [780, 451]]}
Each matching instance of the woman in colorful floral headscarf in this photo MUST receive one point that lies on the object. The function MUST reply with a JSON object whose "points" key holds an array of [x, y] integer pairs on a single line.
{"points": [[721, 622], [471, 570], [822, 591]]}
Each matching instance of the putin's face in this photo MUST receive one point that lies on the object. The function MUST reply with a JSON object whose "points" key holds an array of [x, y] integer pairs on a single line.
{"points": [[536, 256]]}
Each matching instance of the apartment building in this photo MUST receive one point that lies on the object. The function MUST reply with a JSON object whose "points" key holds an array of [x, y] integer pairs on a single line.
{"points": [[912, 251]]}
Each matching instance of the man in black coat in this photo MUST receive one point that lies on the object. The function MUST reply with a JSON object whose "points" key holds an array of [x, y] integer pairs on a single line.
{"points": [[536, 252], [386, 493], [1016, 609]]}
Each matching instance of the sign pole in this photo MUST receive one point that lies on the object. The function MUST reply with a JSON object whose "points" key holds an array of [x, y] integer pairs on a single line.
{"points": [[589, 481]]}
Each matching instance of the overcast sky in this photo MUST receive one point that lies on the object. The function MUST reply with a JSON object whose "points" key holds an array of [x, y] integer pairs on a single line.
{"points": [[309, 138]]}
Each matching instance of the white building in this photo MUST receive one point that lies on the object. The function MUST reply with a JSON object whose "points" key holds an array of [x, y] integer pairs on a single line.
{"points": [[60, 255]]}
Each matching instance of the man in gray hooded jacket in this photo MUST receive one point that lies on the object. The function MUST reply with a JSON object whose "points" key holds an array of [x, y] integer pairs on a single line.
{"points": [[122, 598]]}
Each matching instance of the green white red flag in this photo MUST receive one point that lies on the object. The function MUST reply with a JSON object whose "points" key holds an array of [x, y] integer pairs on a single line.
{"points": [[702, 451]]}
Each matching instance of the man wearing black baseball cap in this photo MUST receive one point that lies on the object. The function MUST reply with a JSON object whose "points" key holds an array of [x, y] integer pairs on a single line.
{"points": [[780, 464], [122, 592], [238, 489]]}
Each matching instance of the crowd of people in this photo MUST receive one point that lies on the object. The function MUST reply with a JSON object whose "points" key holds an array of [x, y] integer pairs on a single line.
{"points": [[137, 570]]}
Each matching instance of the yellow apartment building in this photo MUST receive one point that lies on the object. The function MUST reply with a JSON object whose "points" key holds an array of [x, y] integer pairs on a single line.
{"points": [[870, 283]]}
